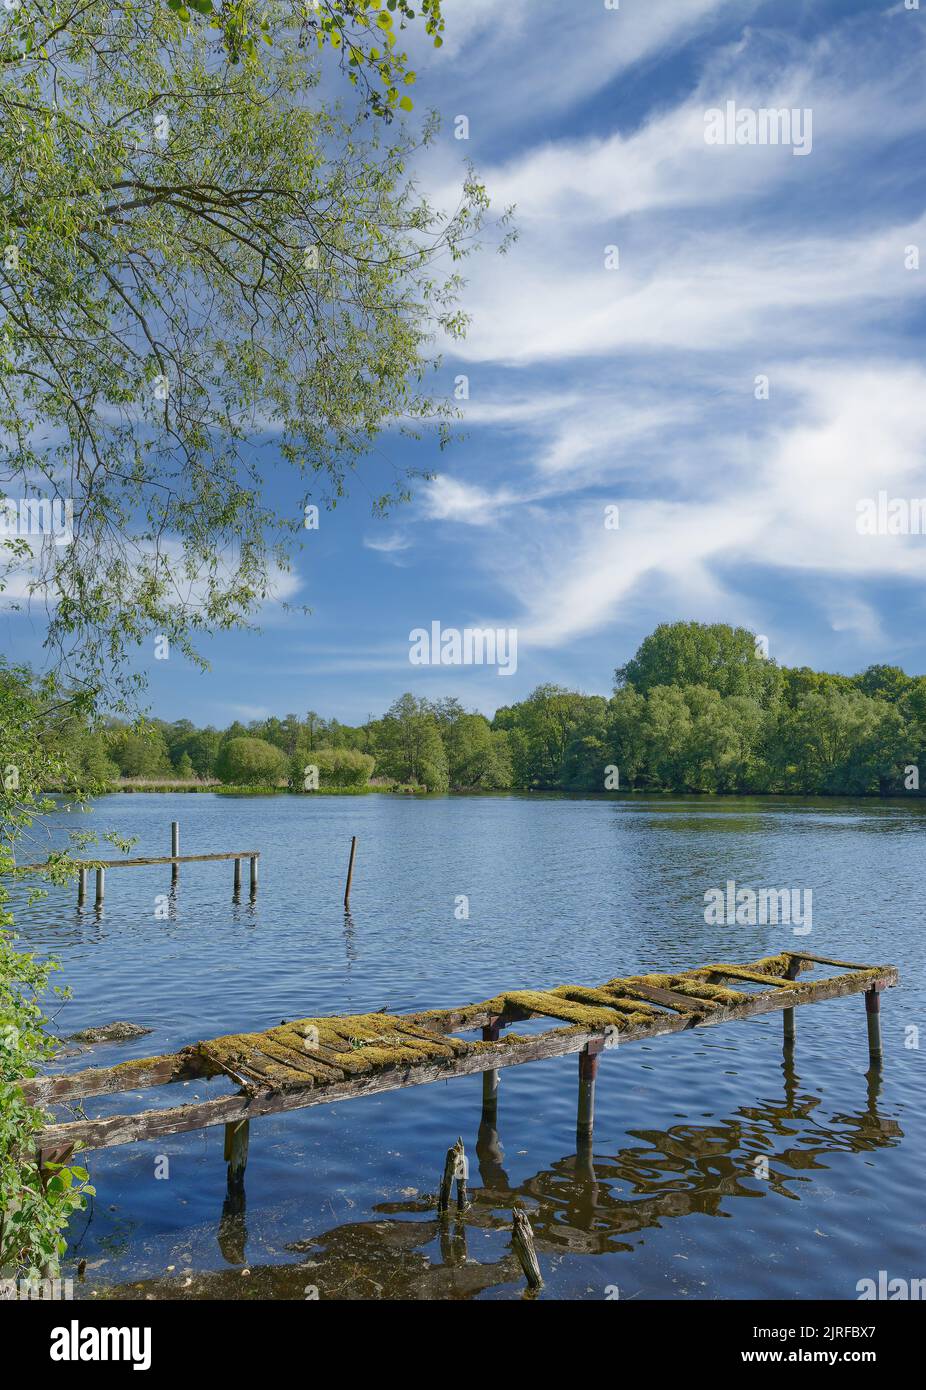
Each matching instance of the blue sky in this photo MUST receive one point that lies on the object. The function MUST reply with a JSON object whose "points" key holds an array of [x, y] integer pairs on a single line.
{"points": [[635, 387]]}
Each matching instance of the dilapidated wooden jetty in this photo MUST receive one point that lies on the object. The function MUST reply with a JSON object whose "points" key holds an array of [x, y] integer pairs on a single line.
{"points": [[175, 859], [316, 1061]]}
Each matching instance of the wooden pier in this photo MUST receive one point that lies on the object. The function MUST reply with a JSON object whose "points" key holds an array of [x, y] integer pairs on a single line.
{"points": [[175, 859], [316, 1061]]}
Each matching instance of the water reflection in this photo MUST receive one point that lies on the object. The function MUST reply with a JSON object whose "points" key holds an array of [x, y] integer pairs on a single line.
{"points": [[587, 1203]]}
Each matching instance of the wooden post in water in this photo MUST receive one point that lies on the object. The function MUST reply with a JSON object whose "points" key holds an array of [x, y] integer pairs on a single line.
{"points": [[788, 1014], [100, 886], [81, 887], [236, 1152], [490, 1083], [237, 888], [253, 875], [454, 1167], [873, 1015], [522, 1243], [174, 849], [588, 1073], [350, 870]]}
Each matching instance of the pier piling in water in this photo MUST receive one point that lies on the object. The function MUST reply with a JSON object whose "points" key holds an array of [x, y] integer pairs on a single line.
{"points": [[237, 884], [174, 849], [236, 1152], [350, 870], [787, 1015], [253, 875], [100, 886], [82, 888], [490, 1082], [873, 1016], [588, 1074]]}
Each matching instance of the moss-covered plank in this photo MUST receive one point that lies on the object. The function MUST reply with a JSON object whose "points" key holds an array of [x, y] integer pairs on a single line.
{"points": [[552, 1005], [625, 1002], [740, 972]]}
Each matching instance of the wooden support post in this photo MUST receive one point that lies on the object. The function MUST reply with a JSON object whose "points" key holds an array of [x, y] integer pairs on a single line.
{"points": [[174, 849], [588, 1072], [100, 886], [522, 1243], [490, 1083], [350, 870], [253, 875], [873, 1015], [237, 888], [236, 1152], [82, 888], [454, 1167], [787, 1015]]}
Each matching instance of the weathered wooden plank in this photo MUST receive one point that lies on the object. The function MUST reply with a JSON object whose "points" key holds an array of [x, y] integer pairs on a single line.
{"points": [[739, 972], [682, 1003], [511, 1051], [826, 960], [129, 863], [136, 1075]]}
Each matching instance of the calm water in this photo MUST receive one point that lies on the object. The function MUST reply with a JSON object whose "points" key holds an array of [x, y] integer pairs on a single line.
{"points": [[560, 890]]}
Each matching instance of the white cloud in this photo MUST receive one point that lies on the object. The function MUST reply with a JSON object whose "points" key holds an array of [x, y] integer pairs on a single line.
{"points": [[788, 502], [386, 545]]}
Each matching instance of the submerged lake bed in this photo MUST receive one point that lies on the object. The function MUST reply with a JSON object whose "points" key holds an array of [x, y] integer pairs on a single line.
{"points": [[453, 900]]}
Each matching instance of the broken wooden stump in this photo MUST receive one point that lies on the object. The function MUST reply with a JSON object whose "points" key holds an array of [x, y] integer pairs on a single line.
{"points": [[236, 1153], [522, 1243], [456, 1168]]}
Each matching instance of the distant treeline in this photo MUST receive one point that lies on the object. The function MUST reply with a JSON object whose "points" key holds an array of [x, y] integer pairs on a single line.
{"points": [[699, 708]]}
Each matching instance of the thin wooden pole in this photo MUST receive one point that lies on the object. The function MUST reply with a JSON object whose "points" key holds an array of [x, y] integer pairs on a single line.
{"points": [[254, 876], [237, 889], [873, 1015], [100, 886], [175, 848], [82, 888], [350, 870]]}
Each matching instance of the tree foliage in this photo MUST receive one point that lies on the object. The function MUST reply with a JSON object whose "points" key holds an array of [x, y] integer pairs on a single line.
{"points": [[202, 262]]}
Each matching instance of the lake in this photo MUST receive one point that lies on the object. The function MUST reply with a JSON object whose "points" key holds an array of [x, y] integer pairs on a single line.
{"points": [[560, 890]]}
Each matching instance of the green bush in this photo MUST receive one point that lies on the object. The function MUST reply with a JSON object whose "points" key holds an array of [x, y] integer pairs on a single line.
{"points": [[35, 1204], [248, 761], [336, 767]]}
